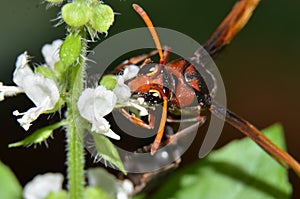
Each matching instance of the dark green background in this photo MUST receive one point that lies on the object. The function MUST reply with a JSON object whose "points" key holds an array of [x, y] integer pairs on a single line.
{"points": [[260, 68]]}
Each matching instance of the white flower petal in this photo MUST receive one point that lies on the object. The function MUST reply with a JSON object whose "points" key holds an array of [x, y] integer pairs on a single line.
{"points": [[105, 101], [32, 114], [100, 125], [22, 60], [22, 69], [130, 71], [85, 104], [122, 195], [42, 185], [122, 91], [38, 88], [125, 190], [7, 91], [50, 52], [112, 135], [94, 104], [128, 186]]}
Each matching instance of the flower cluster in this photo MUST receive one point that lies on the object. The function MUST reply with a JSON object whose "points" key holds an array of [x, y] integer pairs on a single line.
{"points": [[42, 91], [41, 186], [95, 103]]}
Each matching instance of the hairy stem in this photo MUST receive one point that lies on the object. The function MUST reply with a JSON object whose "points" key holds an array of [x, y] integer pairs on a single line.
{"points": [[75, 145], [75, 160]]}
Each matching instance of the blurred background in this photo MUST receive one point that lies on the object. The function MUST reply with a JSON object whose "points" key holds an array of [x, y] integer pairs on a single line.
{"points": [[260, 68]]}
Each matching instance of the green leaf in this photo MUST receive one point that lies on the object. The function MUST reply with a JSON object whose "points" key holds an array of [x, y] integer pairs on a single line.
{"points": [[109, 82], [240, 169], [57, 195], [75, 14], [102, 17], [38, 136], [10, 188], [108, 151], [70, 49]]}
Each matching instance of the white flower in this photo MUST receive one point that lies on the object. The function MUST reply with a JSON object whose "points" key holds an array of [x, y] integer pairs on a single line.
{"points": [[50, 52], [93, 105], [43, 92], [42, 185], [125, 190], [121, 90], [130, 71], [99, 177]]}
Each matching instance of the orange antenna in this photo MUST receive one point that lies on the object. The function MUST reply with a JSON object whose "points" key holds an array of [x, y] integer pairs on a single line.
{"points": [[151, 28]]}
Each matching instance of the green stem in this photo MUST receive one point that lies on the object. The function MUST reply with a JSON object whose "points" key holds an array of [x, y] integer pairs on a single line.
{"points": [[75, 161], [75, 145]]}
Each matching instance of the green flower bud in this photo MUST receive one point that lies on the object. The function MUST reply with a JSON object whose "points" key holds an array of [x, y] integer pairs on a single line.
{"points": [[76, 14], [102, 17], [70, 49], [109, 82]]}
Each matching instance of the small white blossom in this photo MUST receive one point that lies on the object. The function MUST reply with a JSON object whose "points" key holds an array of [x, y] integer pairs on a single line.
{"points": [[50, 52], [130, 71], [42, 185], [121, 90], [43, 92], [93, 105], [99, 177], [125, 190]]}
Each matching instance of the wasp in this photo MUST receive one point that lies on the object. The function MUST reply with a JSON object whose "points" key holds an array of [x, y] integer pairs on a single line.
{"points": [[188, 86]]}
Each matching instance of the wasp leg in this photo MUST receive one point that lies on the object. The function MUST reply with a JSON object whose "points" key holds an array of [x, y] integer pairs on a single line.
{"points": [[161, 128], [252, 132], [146, 61], [183, 133], [137, 121], [230, 26], [199, 118], [134, 60]]}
